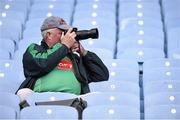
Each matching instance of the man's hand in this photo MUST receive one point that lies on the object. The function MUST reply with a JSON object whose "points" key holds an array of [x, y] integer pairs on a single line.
{"points": [[77, 47], [69, 38]]}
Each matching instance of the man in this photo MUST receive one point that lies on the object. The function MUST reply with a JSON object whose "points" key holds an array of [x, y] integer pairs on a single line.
{"points": [[53, 66]]}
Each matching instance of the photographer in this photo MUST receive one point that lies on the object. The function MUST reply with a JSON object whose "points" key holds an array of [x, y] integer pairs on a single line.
{"points": [[53, 66]]}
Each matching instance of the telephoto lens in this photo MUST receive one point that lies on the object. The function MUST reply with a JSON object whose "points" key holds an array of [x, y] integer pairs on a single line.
{"points": [[85, 34]]}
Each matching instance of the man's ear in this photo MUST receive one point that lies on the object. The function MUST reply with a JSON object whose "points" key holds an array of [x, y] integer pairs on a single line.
{"points": [[47, 36]]}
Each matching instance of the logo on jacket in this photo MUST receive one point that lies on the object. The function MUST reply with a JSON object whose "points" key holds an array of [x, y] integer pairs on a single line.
{"points": [[64, 64]]}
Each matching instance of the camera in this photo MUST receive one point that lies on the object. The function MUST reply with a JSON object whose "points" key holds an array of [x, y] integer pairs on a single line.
{"points": [[85, 34]]}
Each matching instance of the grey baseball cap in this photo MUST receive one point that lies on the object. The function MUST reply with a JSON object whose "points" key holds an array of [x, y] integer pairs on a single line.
{"points": [[54, 22]]}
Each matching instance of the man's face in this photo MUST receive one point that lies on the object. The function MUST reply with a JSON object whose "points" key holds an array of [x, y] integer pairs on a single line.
{"points": [[55, 35]]}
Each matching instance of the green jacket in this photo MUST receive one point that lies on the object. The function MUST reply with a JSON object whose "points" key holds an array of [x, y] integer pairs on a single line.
{"points": [[38, 60]]}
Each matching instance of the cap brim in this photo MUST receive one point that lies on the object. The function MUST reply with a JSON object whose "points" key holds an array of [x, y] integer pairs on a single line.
{"points": [[65, 27]]}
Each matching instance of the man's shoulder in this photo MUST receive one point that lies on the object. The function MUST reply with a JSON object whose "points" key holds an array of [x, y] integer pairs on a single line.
{"points": [[33, 46]]}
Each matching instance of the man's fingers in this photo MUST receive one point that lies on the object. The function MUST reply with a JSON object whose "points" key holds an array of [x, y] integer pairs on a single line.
{"points": [[69, 31]]}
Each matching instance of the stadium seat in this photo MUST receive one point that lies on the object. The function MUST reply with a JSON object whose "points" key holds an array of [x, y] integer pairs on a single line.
{"points": [[161, 63], [161, 74], [81, 6], [100, 43], [7, 113], [4, 54], [173, 38], [163, 112], [162, 98], [46, 13], [10, 100], [124, 74], [139, 1], [97, 1], [49, 112], [135, 22], [53, 1], [48, 96], [112, 98], [151, 87], [111, 112], [115, 86], [144, 31], [12, 27], [141, 54], [121, 63], [21, 7], [55, 6], [142, 6], [7, 86], [174, 53], [139, 42], [102, 53], [8, 45], [34, 22]]}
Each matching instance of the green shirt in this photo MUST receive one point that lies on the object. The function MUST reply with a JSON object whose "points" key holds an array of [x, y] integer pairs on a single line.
{"points": [[60, 79]]}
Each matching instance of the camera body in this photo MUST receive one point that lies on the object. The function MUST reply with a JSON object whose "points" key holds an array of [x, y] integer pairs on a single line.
{"points": [[85, 34]]}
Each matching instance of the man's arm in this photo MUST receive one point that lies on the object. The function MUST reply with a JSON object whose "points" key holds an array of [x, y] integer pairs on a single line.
{"points": [[38, 62], [96, 70]]}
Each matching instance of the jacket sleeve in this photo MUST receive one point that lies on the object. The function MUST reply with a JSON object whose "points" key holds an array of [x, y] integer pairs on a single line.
{"points": [[95, 68], [38, 62]]}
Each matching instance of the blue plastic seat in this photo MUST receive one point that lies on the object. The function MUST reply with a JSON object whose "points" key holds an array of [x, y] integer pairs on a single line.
{"points": [[121, 63], [34, 22], [162, 98], [31, 32], [139, 42], [95, 14], [139, 13], [174, 53], [112, 98], [144, 31], [102, 53], [21, 7], [173, 38], [58, 7], [141, 54], [4, 54], [7, 113], [53, 1], [81, 6], [97, 1], [101, 42], [170, 86], [12, 27], [89, 22], [161, 74], [124, 74], [111, 112], [26, 3], [49, 112], [161, 63], [7, 86], [8, 45], [46, 13], [135, 22], [115, 86], [139, 1], [142, 6], [163, 112], [10, 100]]}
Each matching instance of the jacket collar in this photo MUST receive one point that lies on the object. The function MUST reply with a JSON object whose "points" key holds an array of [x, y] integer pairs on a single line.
{"points": [[43, 44]]}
